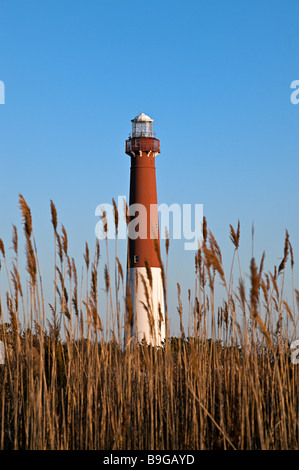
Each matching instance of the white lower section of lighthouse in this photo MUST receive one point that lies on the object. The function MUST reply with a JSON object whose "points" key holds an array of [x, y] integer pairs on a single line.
{"points": [[148, 305]]}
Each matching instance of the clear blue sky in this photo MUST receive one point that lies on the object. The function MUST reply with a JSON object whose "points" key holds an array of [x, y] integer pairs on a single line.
{"points": [[215, 76]]}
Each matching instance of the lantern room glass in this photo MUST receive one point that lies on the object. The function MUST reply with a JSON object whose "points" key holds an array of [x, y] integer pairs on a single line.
{"points": [[142, 129]]}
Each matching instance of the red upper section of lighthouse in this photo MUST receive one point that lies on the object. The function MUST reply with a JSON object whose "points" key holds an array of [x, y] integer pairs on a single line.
{"points": [[134, 145]]}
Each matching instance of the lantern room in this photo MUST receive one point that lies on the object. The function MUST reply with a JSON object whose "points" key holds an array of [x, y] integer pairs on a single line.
{"points": [[142, 126], [143, 138]]}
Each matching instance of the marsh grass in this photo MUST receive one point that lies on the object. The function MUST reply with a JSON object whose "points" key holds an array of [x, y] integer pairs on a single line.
{"points": [[70, 383]]}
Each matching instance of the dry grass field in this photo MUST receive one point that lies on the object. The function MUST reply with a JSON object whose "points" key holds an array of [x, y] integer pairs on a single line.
{"points": [[67, 383]]}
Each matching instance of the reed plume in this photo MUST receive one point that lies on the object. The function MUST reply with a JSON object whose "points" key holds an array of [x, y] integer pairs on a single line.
{"points": [[2, 248], [15, 239], [235, 236], [26, 213]]}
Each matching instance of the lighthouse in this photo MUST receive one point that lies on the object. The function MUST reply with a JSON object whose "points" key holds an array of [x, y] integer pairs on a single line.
{"points": [[144, 277]]}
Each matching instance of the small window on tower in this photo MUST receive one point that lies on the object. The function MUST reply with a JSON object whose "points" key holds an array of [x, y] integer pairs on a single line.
{"points": [[137, 142], [136, 258]]}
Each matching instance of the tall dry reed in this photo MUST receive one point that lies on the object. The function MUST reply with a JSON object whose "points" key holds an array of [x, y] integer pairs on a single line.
{"points": [[67, 383]]}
